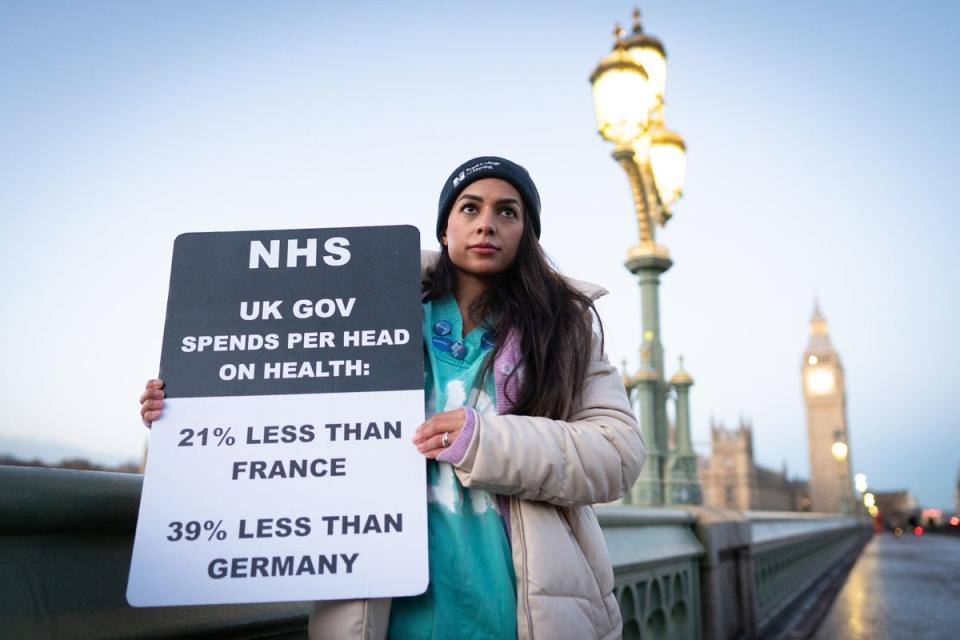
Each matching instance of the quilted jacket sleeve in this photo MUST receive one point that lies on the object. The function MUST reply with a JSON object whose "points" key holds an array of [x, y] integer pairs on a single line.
{"points": [[595, 456]]}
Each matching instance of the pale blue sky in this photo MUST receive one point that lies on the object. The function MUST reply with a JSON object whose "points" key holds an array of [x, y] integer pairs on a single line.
{"points": [[822, 145]]}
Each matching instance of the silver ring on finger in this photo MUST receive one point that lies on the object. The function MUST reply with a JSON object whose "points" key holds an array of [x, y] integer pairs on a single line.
{"points": [[446, 439]]}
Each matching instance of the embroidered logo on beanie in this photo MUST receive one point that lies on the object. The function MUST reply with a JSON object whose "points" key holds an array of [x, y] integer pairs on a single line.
{"points": [[480, 166]]}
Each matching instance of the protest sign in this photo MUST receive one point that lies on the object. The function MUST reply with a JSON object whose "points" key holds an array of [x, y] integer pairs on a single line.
{"points": [[282, 467]]}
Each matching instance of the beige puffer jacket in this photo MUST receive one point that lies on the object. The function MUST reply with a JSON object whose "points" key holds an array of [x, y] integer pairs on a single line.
{"points": [[554, 471]]}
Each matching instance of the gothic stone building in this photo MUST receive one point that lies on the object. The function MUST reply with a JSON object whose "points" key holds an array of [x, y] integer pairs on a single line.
{"points": [[732, 479]]}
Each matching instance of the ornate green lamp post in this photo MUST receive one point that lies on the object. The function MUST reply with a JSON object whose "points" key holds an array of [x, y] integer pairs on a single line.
{"points": [[628, 88]]}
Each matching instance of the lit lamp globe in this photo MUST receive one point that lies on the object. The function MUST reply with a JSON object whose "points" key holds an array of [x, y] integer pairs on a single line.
{"points": [[622, 98], [668, 160], [839, 451], [641, 148], [860, 482], [649, 53]]}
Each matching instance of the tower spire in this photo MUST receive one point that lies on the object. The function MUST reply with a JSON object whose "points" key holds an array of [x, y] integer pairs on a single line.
{"points": [[819, 338], [817, 314]]}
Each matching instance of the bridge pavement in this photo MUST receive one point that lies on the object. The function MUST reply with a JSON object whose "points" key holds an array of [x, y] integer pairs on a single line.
{"points": [[900, 588]]}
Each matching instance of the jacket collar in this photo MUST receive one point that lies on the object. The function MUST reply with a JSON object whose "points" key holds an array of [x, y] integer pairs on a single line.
{"points": [[428, 261]]}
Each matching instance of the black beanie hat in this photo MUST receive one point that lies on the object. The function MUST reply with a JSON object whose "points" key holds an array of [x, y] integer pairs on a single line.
{"points": [[489, 167]]}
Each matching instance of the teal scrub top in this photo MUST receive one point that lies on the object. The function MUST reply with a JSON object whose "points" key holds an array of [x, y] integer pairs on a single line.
{"points": [[472, 590]]}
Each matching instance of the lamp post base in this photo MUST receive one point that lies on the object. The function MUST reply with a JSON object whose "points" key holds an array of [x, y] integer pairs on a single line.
{"points": [[648, 489]]}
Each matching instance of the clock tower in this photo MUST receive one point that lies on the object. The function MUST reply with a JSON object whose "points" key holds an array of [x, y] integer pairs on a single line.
{"points": [[828, 439]]}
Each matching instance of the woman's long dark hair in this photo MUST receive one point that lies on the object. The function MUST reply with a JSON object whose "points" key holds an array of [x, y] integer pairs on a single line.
{"points": [[554, 320]]}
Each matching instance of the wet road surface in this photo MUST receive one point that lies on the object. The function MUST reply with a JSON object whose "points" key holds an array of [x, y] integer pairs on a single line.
{"points": [[900, 588]]}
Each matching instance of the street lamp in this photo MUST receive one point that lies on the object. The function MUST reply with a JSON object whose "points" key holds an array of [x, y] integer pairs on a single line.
{"points": [[628, 97], [649, 53], [668, 160], [622, 97], [840, 450], [628, 90], [860, 482]]}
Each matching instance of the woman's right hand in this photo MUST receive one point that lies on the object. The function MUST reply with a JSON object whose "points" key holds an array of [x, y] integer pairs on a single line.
{"points": [[151, 402]]}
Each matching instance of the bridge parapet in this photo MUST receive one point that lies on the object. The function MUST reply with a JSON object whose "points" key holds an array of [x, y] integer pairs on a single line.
{"points": [[65, 543], [656, 558], [66, 538], [791, 551], [708, 573]]}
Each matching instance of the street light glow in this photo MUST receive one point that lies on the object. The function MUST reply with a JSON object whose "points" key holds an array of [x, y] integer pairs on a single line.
{"points": [[622, 98], [668, 159], [860, 481], [648, 52], [839, 451], [653, 60], [869, 500]]}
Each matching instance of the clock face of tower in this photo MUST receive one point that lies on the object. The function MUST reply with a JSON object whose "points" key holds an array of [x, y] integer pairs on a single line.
{"points": [[820, 381]]}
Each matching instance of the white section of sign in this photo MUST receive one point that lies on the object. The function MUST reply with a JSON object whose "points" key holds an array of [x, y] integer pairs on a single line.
{"points": [[363, 500]]}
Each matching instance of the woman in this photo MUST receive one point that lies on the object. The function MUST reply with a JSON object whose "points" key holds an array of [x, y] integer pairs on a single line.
{"points": [[528, 426]]}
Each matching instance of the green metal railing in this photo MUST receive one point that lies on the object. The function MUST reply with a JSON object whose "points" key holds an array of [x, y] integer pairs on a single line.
{"points": [[66, 539], [791, 551], [656, 559]]}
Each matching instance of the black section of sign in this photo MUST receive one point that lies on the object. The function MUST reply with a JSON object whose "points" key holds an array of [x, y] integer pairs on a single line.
{"points": [[211, 277]]}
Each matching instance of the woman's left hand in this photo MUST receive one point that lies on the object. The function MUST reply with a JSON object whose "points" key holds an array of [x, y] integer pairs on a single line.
{"points": [[429, 435]]}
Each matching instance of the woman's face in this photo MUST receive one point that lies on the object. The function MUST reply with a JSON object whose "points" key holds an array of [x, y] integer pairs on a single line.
{"points": [[484, 227]]}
